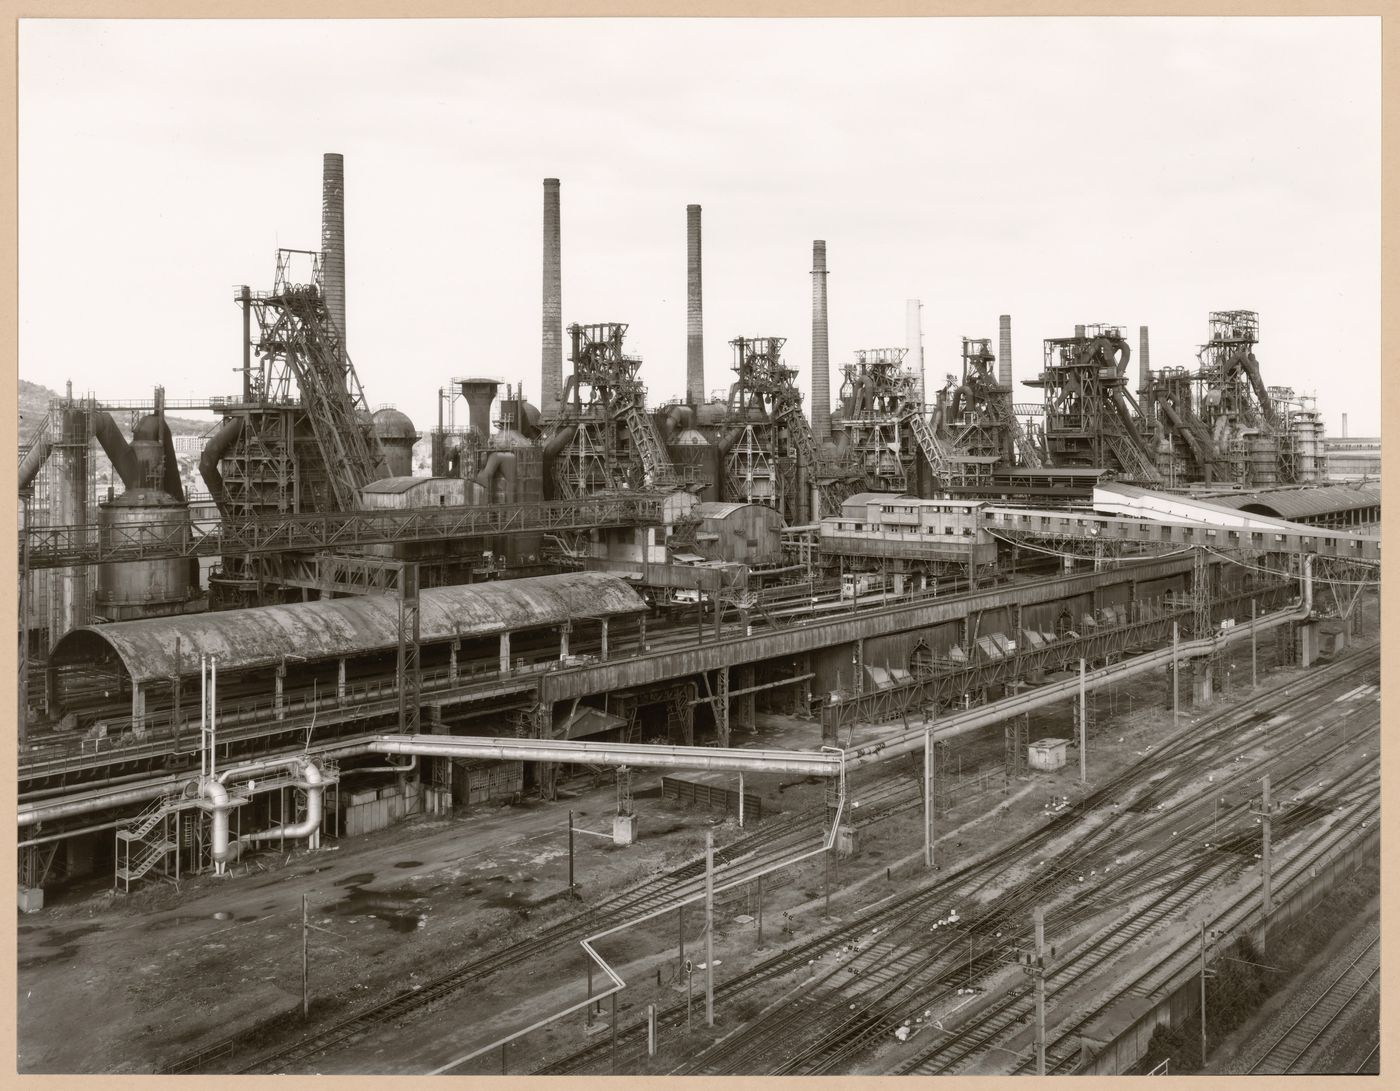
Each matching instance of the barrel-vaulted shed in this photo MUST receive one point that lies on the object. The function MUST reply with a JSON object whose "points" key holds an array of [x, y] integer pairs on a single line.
{"points": [[348, 627]]}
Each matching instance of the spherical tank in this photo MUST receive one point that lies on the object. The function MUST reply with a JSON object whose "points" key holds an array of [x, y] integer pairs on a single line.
{"points": [[136, 589], [397, 436]]}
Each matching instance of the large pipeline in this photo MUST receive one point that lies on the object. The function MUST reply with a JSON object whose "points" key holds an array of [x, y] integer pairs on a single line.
{"points": [[119, 451], [310, 826], [504, 463], [559, 441], [34, 460], [219, 443], [1204, 457]]}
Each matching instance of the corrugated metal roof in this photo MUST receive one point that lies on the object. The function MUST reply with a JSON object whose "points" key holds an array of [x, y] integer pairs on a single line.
{"points": [[1304, 503], [713, 509], [349, 626], [397, 484]]}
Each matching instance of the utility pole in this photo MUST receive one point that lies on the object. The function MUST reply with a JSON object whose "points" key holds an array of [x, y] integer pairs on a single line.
{"points": [[1253, 645], [1083, 729], [928, 795], [1176, 670], [305, 979], [1038, 972], [1203, 994], [571, 853], [760, 912], [709, 928], [1265, 815]]}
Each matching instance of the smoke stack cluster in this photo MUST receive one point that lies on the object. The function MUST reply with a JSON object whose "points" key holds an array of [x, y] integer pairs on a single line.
{"points": [[694, 311], [821, 370], [914, 341], [333, 239], [552, 343], [1004, 353]]}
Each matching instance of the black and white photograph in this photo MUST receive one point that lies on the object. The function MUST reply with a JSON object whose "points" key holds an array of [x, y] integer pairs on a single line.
{"points": [[580, 546]]}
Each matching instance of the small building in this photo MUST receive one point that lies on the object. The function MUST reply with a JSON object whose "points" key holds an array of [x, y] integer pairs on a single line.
{"points": [[397, 493], [749, 534], [1048, 754]]}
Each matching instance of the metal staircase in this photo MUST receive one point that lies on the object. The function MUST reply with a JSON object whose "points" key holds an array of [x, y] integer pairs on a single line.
{"points": [[138, 850]]}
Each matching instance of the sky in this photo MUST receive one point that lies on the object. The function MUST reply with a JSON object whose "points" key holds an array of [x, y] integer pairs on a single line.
{"points": [[1128, 171]]}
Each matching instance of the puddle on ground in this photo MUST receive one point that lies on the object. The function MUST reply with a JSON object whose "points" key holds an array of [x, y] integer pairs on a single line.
{"points": [[61, 955], [358, 879], [161, 924], [409, 863], [400, 910], [58, 937]]}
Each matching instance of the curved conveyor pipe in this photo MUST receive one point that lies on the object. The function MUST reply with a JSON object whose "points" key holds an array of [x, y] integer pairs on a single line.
{"points": [[310, 826]]}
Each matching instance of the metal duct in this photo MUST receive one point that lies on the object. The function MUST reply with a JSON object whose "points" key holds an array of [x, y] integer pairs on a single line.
{"points": [[219, 443], [821, 371], [552, 343], [310, 826], [914, 341], [119, 451], [1004, 353], [333, 240], [479, 394], [38, 454], [694, 319]]}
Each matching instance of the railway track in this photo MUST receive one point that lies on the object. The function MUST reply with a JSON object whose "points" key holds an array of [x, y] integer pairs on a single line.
{"points": [[746, 852], [1296, 1049], [908, 911]]}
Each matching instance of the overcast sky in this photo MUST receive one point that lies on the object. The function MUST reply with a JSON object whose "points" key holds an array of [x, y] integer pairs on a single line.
{"points": [[1127, 171]]}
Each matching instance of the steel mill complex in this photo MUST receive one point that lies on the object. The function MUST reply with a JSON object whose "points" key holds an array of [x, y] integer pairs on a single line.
{"points": [[923, 725]]}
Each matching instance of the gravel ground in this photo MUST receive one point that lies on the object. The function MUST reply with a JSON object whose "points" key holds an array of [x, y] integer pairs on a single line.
{"points": [[1346, 1044]]}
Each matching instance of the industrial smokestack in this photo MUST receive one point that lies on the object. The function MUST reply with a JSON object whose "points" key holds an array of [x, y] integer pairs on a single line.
{"points": [[1004, 353], [821, 376], [333, 240], [694, 312], [1078, 331], [1144, 368], [1344, 426], [552, 349], [914, 341]]}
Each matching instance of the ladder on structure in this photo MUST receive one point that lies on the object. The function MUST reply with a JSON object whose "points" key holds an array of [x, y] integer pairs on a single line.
{"points": [[146, 842], [934, 451], [656, 464]]}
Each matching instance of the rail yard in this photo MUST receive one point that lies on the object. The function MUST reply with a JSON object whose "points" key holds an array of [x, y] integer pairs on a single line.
{"points": [[894, 729]]}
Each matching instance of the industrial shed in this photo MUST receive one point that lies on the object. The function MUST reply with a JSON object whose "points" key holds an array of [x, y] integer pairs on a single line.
{"points": [[740, 533], [1325, 506], [342, 628], [413, 492]]}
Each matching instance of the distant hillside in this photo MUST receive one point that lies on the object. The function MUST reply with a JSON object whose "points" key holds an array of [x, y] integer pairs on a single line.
{"points": [[34, 401]]}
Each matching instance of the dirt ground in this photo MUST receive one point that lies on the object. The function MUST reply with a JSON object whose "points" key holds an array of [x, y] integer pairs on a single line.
{"points": [[123, 985]]}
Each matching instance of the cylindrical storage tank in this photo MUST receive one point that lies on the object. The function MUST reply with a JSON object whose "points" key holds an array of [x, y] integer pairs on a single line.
{"points": [[1263, 460], [712, 413], [136, 589], [397, 436], [696, 459]]}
